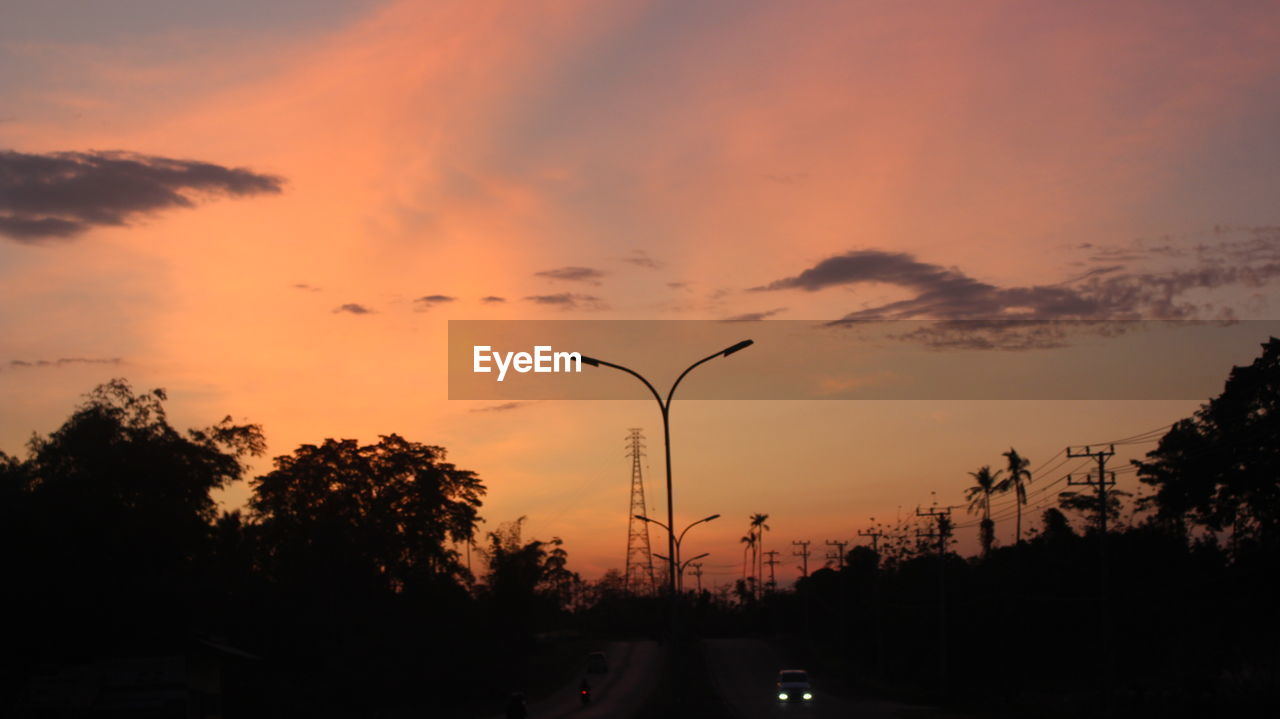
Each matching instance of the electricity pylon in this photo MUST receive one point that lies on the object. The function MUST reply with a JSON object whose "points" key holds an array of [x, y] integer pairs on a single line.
{"points": [[639, 572]]}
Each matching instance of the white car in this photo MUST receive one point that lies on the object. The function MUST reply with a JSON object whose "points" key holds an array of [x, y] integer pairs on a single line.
{"points": [[793, 686]]}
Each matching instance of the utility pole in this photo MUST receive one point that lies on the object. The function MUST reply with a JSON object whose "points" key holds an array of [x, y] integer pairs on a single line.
{"points": [[804, 556], [697, 572], [839, 555], [843, 609], [875, 535], [875, 539], [772, 561], [804, 572], [1100, 482], [942, 534]]}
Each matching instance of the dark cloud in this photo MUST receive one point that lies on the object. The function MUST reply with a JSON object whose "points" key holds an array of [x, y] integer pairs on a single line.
{"points": [[949, 294], [678, 285], [990, 334], [59, 195], [492, 299], [1223, 244], [62, 362], [426, 302], [640, 258], [568, 301], [305, 286], [504, 407], [898, 268], [354, 308], [754, 316], [1093, 300], [32, 230], [572, 274]]}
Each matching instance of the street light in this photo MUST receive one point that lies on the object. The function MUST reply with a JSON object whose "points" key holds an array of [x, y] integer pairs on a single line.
{"points": [[665, 405], [684, 565], [679, 539]]}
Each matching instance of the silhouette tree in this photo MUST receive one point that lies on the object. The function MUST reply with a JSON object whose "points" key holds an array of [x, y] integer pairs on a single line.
{"points": [[527, 582], [759, 527], [1218, 469], [117, 519], [1087, 503], [383, 513], [1019, 475], [979, 496], [561, 583], [749, 543], [1056, 526]]}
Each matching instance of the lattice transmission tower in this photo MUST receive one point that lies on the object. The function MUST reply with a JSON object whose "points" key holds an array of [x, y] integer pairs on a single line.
{"points": [[639, 577]]}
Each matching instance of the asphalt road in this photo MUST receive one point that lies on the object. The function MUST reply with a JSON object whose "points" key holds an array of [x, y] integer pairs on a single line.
{"points": [[634, 669], [744, 672]]}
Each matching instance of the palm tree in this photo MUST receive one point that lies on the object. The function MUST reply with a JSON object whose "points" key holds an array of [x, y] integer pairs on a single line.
{"points": [[749, 542], [1017, 473], [759, 527], [979, 495]]}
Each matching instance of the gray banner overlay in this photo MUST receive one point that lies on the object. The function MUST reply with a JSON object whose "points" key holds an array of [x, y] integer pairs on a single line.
{"points": [[800, 360]]}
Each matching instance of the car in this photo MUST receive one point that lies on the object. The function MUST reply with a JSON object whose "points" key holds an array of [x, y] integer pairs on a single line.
{"points": [[793, 686], [597, 663]]}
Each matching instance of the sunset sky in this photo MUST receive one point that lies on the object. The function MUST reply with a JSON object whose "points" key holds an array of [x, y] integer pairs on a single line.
{"points": [[271, 210]]}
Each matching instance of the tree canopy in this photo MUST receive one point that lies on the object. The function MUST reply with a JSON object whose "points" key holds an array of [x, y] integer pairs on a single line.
{"points": [[1218, 469], [386, 510]]}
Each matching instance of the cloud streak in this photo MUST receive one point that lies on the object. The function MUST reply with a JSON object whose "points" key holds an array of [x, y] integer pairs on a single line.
{"points": [[568, 301], [353, 308], [972, 314], [61, 195], [504, 407], [755, 316], [950, 294], [572, 274], [426, 302], [62, 362], [640, 258]]}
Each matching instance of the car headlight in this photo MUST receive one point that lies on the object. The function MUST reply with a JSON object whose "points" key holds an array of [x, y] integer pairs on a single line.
{"points": [[807, 696], [782, 696]]}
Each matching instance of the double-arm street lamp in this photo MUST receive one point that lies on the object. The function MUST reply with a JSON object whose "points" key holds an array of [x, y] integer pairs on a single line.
{"points": [[665, 405], [675, 557], [681, 566]]}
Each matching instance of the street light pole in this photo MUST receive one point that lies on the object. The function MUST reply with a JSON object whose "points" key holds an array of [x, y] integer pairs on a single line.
{"points": [[684, 565], [676, 555], [665, 405]]}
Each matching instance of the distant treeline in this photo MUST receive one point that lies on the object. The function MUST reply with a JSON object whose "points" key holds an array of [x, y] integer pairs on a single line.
{"points": [[343, 588], [1171, 613]]}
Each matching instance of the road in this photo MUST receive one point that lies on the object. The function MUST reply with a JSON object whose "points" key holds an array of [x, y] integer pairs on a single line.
{"points": [[634, 669], [744, 672]]}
